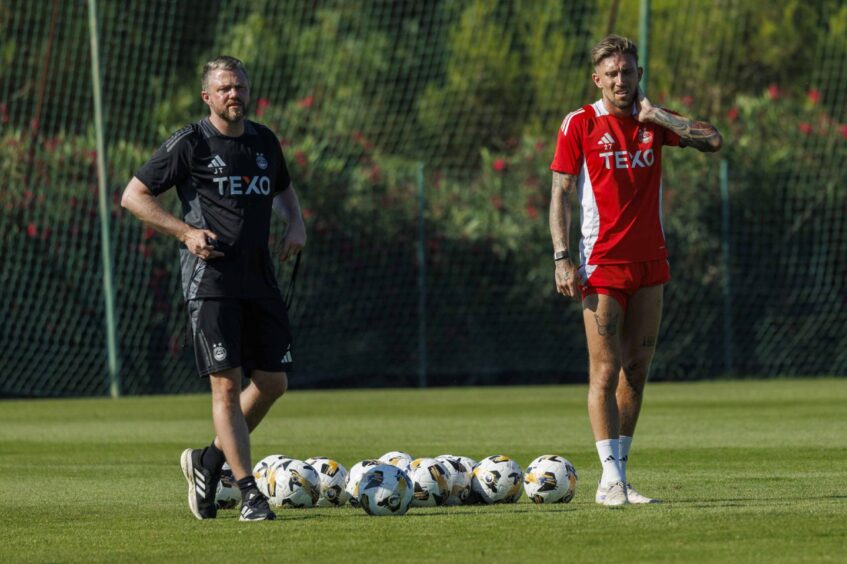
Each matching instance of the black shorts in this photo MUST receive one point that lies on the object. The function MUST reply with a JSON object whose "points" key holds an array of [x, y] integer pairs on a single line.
{"points": [[252, 334]]}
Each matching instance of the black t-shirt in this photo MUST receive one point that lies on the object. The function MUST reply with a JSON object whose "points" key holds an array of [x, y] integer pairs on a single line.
{"points": [[226, 185]]}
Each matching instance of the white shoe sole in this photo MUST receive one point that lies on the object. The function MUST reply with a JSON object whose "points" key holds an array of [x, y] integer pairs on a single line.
{"points": [[188, 472], [612, 503], [617, 501], [643, 501]]}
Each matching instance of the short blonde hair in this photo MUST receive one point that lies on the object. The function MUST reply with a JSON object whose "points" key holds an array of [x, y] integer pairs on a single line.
{"points": [[612, 45], [224, 62]]}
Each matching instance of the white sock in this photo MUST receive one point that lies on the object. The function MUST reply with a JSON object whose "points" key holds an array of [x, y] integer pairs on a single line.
{"points": [[623, 458], [608, 451]]}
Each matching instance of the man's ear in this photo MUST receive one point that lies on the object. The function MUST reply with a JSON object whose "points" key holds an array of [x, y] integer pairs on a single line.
{"points": [[596, 78]]}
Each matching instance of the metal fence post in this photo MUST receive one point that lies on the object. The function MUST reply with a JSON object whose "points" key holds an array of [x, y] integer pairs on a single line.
{"points": [[103, 207]]}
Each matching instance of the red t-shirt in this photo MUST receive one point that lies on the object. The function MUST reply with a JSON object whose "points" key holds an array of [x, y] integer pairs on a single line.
{"points": [[618, 165]]}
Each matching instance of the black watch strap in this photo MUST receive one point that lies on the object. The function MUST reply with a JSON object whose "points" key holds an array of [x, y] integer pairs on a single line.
{"points": [[561, 255]]}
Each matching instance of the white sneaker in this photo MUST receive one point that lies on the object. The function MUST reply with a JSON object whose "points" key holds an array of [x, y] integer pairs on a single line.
{"points": [[611, 495], [635, 497]]}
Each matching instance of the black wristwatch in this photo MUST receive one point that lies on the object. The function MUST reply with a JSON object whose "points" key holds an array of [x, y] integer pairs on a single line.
{"points": [[561, 255]]}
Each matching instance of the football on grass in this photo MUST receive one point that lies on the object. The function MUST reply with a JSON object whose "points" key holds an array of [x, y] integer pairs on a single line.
{"points": [[355, 475], [227, 494], [333, 477], [497, 479], [385, 490], [459, 472], [263, 472], [550, 478], [294, 484], [429, 480]]}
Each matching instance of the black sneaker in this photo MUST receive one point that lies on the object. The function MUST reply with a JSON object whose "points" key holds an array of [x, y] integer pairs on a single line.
{"points": [[255, 508], [201, 484]]}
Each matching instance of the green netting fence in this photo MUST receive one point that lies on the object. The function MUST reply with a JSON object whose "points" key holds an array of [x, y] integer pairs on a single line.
{"points": [[419, 135]]}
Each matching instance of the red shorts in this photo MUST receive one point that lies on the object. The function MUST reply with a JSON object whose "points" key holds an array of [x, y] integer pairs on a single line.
{"points": [[622, 280]]}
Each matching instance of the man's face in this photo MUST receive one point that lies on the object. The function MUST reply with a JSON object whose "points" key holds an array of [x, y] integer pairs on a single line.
{"points": [[617, 77], [227, 94]]}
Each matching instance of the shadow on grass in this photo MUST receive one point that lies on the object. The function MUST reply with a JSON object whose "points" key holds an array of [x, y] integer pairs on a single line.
{"points": [[304, 514], [749, 501]]}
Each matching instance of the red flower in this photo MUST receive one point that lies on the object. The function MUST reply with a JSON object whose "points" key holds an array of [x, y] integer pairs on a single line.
{"points": [[539, 146], [732, 114], [284, 142], [262, 105], [149, 232], [32, 230], [307, 213], [51, 144], [843, 130], [499, 165], [532, 212], [4, 113], [805, 128], [687, 101], [360, 138], [375, 174], [301, 158], [814, 96], [497, 202], [774, 92], [306, 102]]}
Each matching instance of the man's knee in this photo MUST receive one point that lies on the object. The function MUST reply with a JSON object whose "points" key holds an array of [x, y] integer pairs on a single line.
{"points": [[271, 385], [226, 386], [634, 373], [603, 375]]}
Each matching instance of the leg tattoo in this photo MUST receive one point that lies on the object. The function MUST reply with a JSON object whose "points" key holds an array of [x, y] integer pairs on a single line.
{"points": [[607, 325]]}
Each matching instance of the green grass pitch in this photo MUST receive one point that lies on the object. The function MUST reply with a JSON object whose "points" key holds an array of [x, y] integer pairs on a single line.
{"points": [[750, 471]]}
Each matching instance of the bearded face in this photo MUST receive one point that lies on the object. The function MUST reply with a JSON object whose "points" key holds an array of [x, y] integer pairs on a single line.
{"points": [[227, 94], [617, 77]]}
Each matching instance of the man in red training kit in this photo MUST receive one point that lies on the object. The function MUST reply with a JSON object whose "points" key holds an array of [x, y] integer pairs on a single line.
{"points": [[610, 153]]}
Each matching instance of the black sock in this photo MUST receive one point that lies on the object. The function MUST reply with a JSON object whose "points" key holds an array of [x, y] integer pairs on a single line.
{"points": [[213, 459], [246, 484]]}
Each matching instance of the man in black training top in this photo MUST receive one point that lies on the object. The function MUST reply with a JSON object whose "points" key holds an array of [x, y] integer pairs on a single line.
{"points": [[229, 173]]}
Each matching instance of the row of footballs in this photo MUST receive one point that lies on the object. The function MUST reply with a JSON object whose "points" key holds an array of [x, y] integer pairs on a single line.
{"points": [[390, 484]]}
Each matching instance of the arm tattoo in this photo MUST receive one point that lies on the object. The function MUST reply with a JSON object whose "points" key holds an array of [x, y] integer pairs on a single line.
{"points": [[560, 211], [698, 134], [607, 325], [563, 182]]}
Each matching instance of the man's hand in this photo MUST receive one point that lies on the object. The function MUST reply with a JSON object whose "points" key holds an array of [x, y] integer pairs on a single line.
{"points": [[294, 240], [199, 243], [644, 107], [566, 278]]}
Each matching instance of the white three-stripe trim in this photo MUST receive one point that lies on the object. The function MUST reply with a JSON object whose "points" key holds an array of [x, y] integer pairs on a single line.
{"points": [[200, 482], [568, 118], [607, 139]]}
